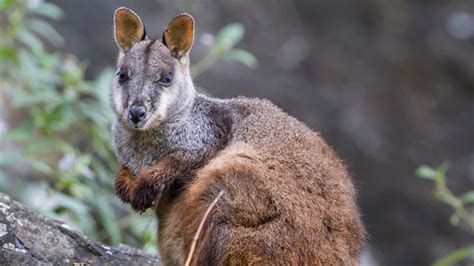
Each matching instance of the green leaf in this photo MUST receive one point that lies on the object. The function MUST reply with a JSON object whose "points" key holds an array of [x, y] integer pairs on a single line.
{"points": [[468, 197], [77, 213], [23, 99], [426, 172], [229, 36], [455, 256], [42, 167], [37, 147], [27, 63], [4, 4], [30, 40], [242, 56], [49, 10], [454, 220], [107, 219], [46, 30], [66, 182], [7, 53], [443, 168], [81, 191], [102, 84], [70, 203]]}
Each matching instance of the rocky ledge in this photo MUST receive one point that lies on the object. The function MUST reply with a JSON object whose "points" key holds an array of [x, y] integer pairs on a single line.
{"points": [[27, 238]]}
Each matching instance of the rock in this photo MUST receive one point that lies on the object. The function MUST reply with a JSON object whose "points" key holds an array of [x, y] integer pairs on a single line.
{"points": [[27, 238]]}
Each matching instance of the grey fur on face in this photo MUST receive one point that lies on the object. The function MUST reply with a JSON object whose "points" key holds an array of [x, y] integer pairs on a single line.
{"points": [[145, 64]]}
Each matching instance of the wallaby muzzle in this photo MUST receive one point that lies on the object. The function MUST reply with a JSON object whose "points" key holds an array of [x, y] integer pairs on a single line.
{"points": [[137, 114]]}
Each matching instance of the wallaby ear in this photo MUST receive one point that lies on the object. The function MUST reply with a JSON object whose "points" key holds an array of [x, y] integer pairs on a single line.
{"points": [[128, 28], [179, 35]]}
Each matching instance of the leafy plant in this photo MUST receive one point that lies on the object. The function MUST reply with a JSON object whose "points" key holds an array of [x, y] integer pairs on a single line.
{"points": [[222, 47], [460, 204]]}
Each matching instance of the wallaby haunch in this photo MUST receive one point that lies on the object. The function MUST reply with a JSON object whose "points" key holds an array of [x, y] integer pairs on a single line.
{"points": [[288, 198]]}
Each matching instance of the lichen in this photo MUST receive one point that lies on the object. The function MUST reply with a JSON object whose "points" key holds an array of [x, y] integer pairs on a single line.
{"points": [[3, 229], [11, 218], [65, 226], [10, 246], [4, 208]]}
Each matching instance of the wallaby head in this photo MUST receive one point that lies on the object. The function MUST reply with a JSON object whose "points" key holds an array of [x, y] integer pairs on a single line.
{"points": [[153, 82]]}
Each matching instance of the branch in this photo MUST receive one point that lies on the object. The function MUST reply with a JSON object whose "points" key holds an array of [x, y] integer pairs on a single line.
{"points": [[201, 225]]}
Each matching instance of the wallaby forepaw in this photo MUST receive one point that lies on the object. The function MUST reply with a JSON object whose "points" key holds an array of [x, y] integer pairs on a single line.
{"points": [[124, 184], [144, 195]]}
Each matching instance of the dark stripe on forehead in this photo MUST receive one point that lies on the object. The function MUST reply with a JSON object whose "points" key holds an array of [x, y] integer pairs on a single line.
{"points": [[125, 95], [146, 53]]}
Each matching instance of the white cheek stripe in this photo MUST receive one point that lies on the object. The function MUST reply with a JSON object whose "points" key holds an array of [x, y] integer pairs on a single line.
{"points": [[166, 99], [118, 101]]}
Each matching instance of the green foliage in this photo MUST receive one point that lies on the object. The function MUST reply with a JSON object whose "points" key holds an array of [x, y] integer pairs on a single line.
{"points": [[455, 256], [56, 153], [460, 205], [222, 47]]}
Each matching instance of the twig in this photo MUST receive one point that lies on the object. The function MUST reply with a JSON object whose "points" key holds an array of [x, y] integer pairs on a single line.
{"points": [[201, 225]]}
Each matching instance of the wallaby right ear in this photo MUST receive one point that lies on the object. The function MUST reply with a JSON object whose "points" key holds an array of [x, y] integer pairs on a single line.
{"points": [[128, 28]]}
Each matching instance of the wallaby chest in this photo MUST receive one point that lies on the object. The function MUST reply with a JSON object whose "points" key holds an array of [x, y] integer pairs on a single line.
{"points": [[136, 150]]}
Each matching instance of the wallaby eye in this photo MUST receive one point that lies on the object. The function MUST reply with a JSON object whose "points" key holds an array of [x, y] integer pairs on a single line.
{"points": [[122, 74], [166, 79]]}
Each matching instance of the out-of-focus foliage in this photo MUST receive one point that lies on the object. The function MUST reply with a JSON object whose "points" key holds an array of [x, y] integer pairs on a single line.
{"points": [[61, 139], [58, 137], [222, 47], [462, 210]]}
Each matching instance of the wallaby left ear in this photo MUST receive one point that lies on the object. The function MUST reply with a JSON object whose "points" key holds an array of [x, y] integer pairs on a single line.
{"points": [[179, 35], [128, 28]]}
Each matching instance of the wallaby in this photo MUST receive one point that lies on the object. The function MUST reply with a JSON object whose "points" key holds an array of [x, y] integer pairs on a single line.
{"points": [[287, 197]]}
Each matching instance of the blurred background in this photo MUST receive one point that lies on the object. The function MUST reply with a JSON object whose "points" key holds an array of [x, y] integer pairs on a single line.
{"points": [[389, 84]]}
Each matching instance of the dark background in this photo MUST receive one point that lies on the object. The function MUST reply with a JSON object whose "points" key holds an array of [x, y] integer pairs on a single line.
{"points": [[390, 84]]}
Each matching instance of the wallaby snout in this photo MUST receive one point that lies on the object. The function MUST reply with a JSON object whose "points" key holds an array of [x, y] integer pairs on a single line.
{"points": [[137, 114]]}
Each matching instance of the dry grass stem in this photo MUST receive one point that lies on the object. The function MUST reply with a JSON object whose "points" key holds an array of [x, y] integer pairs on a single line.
{"points": [[201, 225]]}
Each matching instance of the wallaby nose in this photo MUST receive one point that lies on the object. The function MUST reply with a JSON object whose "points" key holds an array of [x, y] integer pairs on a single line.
{"points": [[136, 113]]}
